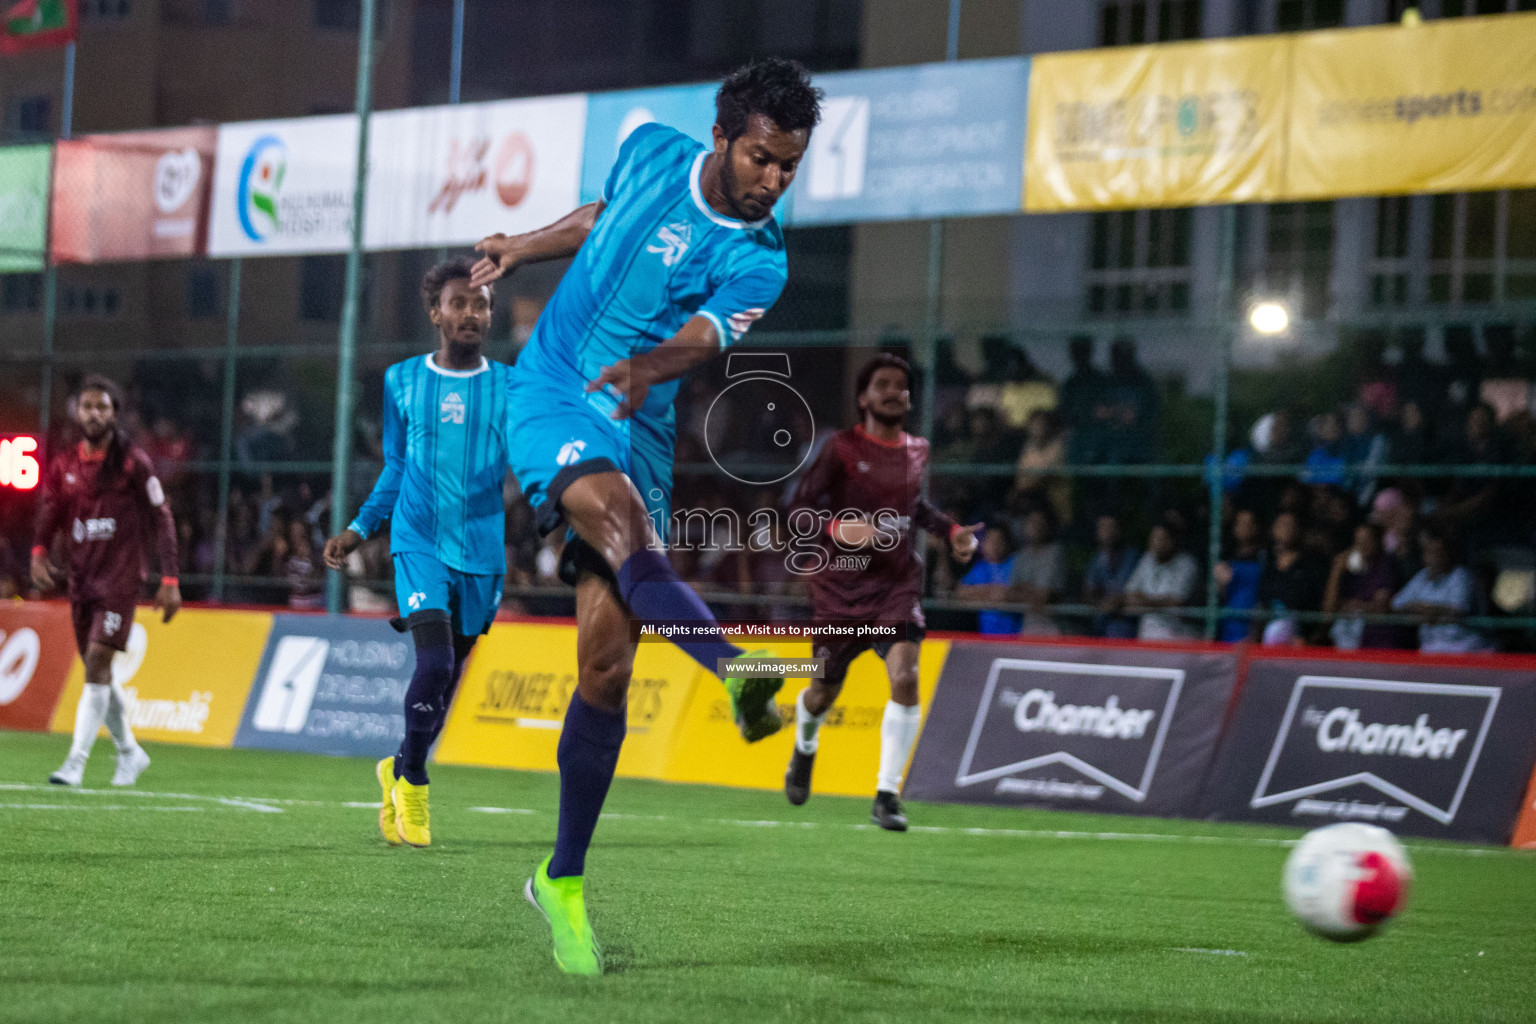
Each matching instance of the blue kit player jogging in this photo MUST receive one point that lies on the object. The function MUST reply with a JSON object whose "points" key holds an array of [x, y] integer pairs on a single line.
{"points": [[445, 460], [657, 257]]}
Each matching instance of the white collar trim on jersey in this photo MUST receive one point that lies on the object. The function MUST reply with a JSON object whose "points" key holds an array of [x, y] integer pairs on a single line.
{"points": [[709, 211], [485, 364]]}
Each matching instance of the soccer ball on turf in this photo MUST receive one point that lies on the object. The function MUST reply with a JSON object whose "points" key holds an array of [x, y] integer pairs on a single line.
{"points": [[1344, 881]]}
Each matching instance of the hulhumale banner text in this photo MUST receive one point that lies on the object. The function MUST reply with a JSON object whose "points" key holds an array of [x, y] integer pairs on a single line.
{"points": [[452, 175], [284, 187], [1418, 747], [23, 208], [926, 141], [1128, 730], [132, 196], [1169, 125], [1445, 107], [329, 684]]}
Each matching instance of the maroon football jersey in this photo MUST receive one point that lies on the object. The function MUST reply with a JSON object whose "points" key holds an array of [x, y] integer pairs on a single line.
{"points": [[107, 528], [881, 482]]}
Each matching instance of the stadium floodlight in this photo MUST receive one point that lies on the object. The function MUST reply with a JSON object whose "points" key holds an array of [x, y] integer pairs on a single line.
{"points": [[1269, 317]]}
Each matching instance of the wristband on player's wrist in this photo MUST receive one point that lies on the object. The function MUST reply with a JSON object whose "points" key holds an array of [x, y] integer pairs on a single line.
{"points": [[38, 551], [169, 581], [954, 530]]}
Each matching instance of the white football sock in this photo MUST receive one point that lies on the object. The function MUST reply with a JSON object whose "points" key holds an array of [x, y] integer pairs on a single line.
{"points": [[117, 719], [898, 731], [88, 715], [807, 726]]}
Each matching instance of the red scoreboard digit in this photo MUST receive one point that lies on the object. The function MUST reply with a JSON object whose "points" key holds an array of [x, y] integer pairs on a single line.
{"points": [[18, 466]]}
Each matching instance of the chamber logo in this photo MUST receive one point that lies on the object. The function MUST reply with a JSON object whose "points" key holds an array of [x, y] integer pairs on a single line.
{"points": [[1417, 743], [1105, 724], [260, 187]]}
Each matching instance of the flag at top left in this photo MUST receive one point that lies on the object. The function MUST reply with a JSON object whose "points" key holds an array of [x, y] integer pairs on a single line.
{"points": [[31, 24]]}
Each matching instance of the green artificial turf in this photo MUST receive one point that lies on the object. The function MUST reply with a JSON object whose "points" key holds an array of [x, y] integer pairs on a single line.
{"points": [[713, 905]]}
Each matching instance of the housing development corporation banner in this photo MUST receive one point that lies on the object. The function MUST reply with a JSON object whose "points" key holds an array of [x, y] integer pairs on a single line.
{"points": [[611, 116], [1421, 747], [132, 196], [452, 175], [1170, 125], [1447, 107], [329, 684], [23, 208], [1129, 730]]}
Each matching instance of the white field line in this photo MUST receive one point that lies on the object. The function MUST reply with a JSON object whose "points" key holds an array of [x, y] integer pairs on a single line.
{"points": [[1209, 952], [275, 805], [95, 807]]}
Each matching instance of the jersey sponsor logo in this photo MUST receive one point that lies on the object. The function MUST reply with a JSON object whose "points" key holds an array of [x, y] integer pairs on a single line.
{"points": [[740, 322], [1417, 743], [103, 528], [452, 409], [674, 240], [155, 492], [863, 467], [19, 654], [570, 452], [415, 600], [1103, 723], [111, 622]]}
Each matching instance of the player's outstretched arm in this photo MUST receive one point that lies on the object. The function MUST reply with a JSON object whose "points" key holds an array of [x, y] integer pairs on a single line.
{"points": [[630, 380], [380, 504], [505, 253]]}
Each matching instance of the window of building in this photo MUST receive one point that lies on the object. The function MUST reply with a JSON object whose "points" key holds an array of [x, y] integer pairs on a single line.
{"points": [[1298, 255], [1302, 15], [21, 293], [90, 300], [218, 12], [101, 11], [1126, 22], [1139, 262], [202, 292], [29, 115], [346, 15], [1481, 249]]}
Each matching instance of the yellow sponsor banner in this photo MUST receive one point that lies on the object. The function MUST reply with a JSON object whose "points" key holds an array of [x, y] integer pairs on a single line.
{"points": [[186, 682], [1171, 125], [513, 697], [1446, 106], [708, 748]]}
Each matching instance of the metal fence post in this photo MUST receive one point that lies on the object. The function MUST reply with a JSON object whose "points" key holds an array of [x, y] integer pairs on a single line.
{"points": [[341, 456], [1226, 328], [227, 428]]}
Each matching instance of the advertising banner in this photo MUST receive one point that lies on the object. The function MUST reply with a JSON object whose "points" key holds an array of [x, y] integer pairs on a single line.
{"points": [[133, 196], [329, 684], [1128, 730], [709, 749], [284, 186], [1525, 827], [926, 141], [186, 682], [37, 645], [1447, 106], [511, 702], [611, 116], [1177, 124], [452, 175], [1417, 747], [23, 208]]}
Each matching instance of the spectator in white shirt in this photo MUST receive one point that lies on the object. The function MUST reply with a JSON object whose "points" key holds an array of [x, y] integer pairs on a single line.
{"points": [[1164, 578], [1439, 594]]}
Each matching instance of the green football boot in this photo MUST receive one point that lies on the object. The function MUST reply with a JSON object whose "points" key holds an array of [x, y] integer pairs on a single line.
{"points": [[752, 706], [560, 901]]}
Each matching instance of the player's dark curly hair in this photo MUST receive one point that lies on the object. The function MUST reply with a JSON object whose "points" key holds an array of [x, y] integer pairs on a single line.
{"points": [[777, 88], [433, 283], [117, 447], [880, 362]]}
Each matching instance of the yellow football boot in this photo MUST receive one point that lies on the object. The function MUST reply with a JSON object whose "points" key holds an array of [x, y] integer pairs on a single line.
{"points": [[385, 770], [412, 817]]}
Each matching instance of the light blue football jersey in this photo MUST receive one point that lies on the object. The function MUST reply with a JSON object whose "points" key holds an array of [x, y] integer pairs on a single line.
{"points": [[658, 256], [445, 458]]}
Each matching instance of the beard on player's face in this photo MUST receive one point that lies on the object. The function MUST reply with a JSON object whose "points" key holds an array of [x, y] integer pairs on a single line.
{"points": [[95, 415]]}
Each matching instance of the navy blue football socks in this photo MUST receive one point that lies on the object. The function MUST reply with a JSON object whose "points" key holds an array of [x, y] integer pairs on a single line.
{"points": [[426, 702], [587, 754], [655, 594]]}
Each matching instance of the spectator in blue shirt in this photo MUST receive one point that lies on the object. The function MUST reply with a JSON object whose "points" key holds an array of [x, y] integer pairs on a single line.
{"points": [[1238, 576], [1104, 583], [1439, 594], [988, 580]]}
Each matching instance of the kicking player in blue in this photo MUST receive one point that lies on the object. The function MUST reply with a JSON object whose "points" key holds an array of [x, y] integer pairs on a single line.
{"points": [[445, 459], [674, 264]]}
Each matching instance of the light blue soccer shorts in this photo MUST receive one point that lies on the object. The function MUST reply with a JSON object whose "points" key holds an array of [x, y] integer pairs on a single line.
{"points": [[424, 584], [556, 439]]}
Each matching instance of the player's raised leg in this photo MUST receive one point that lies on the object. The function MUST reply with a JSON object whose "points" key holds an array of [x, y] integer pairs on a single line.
{"points": [[607, 513], [898, 732], [588, 754]]}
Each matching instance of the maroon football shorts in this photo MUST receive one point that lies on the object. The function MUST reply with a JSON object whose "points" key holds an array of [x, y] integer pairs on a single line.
{"points": [[103, 621], [839, 654]]}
